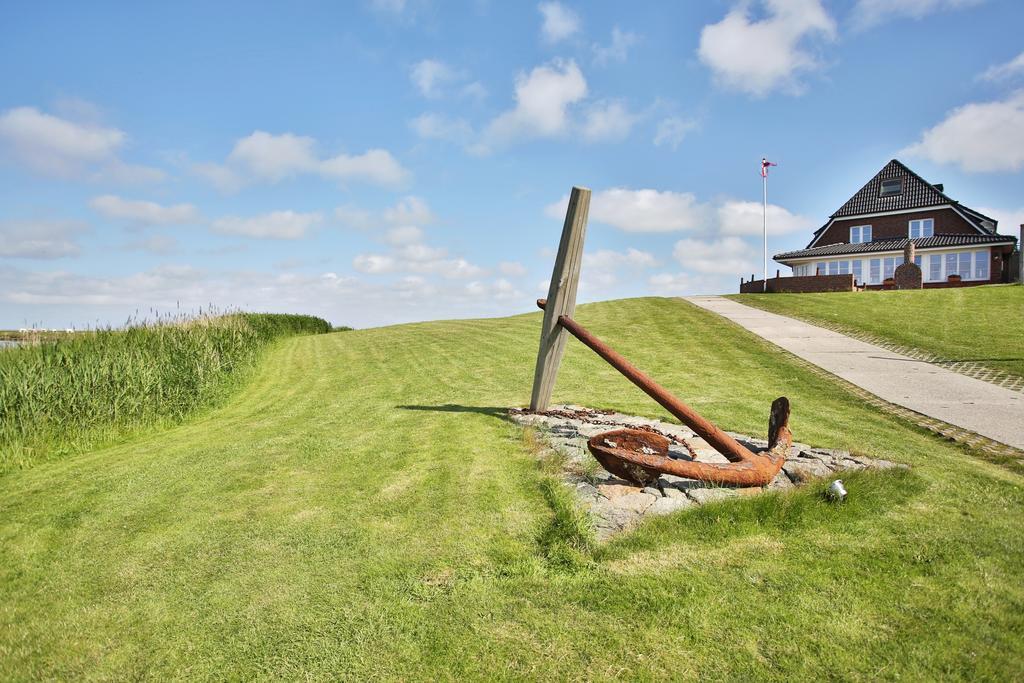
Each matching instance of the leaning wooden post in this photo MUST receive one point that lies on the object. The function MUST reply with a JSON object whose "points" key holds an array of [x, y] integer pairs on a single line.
{"points": [[565, 278]]}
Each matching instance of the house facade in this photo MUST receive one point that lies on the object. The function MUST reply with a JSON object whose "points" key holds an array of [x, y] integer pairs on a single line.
{"points": [[955, 245]]}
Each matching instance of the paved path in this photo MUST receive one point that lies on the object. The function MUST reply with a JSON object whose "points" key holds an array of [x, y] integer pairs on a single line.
{"points": [[929, 389]]}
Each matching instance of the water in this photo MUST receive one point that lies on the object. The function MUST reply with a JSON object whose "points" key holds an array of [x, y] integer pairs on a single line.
{"points": [[8, 343]]}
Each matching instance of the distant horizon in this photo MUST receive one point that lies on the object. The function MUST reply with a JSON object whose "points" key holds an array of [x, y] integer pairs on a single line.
{"points": [[400, 161]]}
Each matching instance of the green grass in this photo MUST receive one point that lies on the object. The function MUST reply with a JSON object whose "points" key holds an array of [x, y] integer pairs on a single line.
{"points": [[362, 510], [980, 324], [63, 393]]}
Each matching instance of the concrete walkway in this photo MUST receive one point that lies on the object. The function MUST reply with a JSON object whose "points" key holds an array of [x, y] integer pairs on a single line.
{"points": [[929, 389]]}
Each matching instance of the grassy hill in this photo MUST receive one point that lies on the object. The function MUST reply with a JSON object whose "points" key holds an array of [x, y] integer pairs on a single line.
{"points": [[362, 510], [984, 325]]}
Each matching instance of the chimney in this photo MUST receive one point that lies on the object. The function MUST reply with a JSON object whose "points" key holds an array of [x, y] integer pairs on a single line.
{"points": [[908, 252]]}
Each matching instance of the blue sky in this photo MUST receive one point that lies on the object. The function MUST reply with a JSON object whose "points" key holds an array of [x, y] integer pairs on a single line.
{"points": [[389, 161]]}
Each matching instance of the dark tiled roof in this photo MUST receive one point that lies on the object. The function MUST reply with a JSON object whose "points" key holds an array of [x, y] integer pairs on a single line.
{"points": [[898, 244], [977, 217], [917, 193]]}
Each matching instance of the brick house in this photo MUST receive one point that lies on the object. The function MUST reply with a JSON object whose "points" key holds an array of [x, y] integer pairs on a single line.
{"points": [[955, 245]]}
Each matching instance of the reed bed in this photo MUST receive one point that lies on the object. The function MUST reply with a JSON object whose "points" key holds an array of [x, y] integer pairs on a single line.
{"points": [[64, 395]]}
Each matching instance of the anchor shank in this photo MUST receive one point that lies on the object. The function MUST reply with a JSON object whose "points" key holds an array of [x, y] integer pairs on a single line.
{"points": [[719, 440]]}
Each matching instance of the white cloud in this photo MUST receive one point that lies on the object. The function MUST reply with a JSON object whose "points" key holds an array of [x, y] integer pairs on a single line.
{"points": [[39, 239], [672, 130], [867, 13], [683, 284], [55, 144], [725, 256], [512, 268], [542, 100], [154, 244], [431, 75], [671, 284], [642, 210], [355, 217], [498, 290], [60, 147], [143, 213], [1010, 220], [418, 259], [977, 137], [603, 268], [409, 210], [746, 218], [374, 263], [274, 157], [608, 121], [475, 90], [406, 234], [648, 210], [617, 50], [434, 79], [58, 297], [607, 258], [440, 127], [759, 56], [560, 22], [417, 251], [376, 166], [409, 254], [266, 157], [283, 225], [544, 108], [1006, 70]]}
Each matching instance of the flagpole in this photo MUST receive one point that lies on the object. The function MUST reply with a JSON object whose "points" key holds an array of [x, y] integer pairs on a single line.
{"points": [[764, 224]]}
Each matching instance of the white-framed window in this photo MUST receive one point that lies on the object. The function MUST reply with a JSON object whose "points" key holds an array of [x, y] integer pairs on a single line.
{"points": [[889, 266], [965, 264], [833, 267], [923, 227], [981, 265], [860, 234], [875, 271], [951, 265], [844, 267], [821, 268], [934, 267], [857, 274]]}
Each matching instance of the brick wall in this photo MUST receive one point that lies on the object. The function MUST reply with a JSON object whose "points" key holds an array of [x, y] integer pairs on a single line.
{"points": [[800, 285], [947, 222]]}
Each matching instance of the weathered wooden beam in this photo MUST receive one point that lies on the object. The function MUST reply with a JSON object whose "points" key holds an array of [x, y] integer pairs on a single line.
{"points": [[561, 299]]}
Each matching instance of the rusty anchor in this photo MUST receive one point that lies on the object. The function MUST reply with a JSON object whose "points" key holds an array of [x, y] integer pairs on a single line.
{"points": [[640, 457]]}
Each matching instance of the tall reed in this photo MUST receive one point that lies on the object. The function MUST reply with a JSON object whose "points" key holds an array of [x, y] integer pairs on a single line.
{"points": [[63, 396]]}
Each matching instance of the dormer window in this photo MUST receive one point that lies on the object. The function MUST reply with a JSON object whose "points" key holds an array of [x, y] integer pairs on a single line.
{"points": [[891, 187], [924, 227], [860, 234]]}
